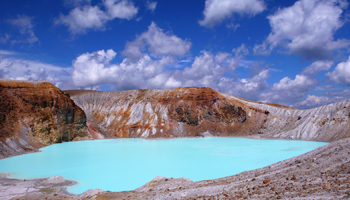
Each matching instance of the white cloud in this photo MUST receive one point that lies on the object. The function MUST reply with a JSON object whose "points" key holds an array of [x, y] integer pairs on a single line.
{"points": [[151, 5], [343, 94], [85, 17], [25, 26], [82, 18], [146, 65], [288, 91], [313, 101], [316, 67], [249, 88], [341, 74], [306, 29], [242, 50], [217, 72], [94, 69], [203, 65], [121, 9], [217, 10], [326, 87], [5, 52], [208, 66], [158, 43], [22, 69]]}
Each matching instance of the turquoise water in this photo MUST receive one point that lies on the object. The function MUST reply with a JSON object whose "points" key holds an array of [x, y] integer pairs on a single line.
{"points": [[126, 164]]}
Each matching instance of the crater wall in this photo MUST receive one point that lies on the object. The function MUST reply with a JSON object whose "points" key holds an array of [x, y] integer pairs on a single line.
{"points": [[34, 114]]}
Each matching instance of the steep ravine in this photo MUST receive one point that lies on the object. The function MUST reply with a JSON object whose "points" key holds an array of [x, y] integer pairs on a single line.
{"points": [[191, 112]]}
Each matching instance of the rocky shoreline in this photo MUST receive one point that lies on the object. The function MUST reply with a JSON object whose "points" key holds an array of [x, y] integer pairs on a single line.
{"points": [[12, 188], [323, 173]]}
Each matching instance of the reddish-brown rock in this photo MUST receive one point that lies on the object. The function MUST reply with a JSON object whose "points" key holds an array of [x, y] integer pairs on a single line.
{"points": [[181, 112], [192, 112], [36, 114]]}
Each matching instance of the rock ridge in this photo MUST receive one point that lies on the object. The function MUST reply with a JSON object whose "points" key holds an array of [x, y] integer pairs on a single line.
{"points": [[190, 112]]}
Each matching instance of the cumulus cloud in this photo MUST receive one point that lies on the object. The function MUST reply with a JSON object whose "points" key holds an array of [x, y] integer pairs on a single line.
{"points": [[95, 69], [249, 88], [158, 43], [22, 69], [316, 67], [206, 68], [151, 5], [291, 92], [82, 18], [120, 9], [218, 72], [341, 74], [85, 17], [306, 29], [92, 70], [145, 65], [313, 101], [288, 91], [25, 26], [217, 10], [345, 94]]}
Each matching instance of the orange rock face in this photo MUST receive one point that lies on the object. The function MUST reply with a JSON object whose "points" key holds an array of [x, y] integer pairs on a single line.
{"points": [[181, 112], [36, 114]]}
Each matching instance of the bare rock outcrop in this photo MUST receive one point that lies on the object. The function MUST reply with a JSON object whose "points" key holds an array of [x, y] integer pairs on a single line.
{"points": [[326, 123], [34, 114], [181, 112], [192, 112]]}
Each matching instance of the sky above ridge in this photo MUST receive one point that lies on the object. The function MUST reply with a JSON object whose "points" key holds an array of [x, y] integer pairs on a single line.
{"points": [[294, 53]]}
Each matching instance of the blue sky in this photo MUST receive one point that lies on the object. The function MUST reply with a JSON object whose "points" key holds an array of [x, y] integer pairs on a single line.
{"points": [[294, 53]]}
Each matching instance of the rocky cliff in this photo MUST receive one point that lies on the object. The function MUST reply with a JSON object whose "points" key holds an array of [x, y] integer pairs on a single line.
{"points": [[182, 112], [36, 114], [191, 112]]}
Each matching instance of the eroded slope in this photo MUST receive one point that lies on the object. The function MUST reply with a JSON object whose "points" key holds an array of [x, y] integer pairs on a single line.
{"points": [[36, 114], [182, 112], [325, 123], [190, 112]]}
